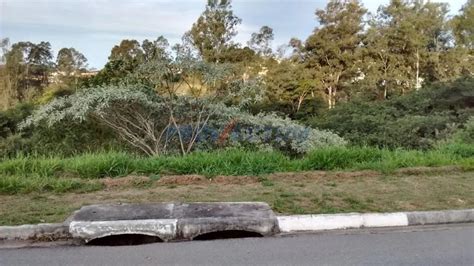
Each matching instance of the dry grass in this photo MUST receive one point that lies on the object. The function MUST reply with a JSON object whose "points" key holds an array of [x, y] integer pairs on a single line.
{"points": [[289, 193]]}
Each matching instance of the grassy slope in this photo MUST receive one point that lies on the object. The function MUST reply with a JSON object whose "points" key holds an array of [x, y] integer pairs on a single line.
{"points": [[25, 174], [36, 190], [292, 193]]}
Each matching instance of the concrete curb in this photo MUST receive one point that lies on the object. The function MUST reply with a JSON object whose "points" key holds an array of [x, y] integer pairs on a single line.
{"points": [[297, 223], [39, 232], [172, 221], [287, 224]]}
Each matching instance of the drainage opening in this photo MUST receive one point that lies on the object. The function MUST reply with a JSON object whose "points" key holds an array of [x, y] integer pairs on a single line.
{"points": [[227, 235], [124, 240]]}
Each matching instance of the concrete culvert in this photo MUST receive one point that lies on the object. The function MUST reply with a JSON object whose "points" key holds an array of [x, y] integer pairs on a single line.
{"points": [[227, 234], [124, 240]]}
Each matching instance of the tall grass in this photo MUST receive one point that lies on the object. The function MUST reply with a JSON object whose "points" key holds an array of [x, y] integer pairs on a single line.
{"points": [[23, 174], [226, 162]]}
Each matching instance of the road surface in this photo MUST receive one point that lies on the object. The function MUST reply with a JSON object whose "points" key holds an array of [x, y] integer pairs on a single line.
{"points": [[438, 245]]}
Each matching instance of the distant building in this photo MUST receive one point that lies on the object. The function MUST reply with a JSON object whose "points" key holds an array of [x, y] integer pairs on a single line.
{"points": [[55, 77]]}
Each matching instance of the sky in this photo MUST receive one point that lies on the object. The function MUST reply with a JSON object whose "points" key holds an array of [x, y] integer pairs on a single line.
{"points": [[93, 27]]}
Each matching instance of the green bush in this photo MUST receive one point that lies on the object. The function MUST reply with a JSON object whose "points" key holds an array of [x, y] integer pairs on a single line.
{"points": [[417, 120], [65, 139], [466, 134]]}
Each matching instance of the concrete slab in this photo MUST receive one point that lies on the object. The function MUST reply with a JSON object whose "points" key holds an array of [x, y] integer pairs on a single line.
{"points": [[172, 221], [440, 217], [196, 219]]}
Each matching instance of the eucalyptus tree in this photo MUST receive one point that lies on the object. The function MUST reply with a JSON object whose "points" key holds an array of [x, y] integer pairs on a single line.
{"points": [[5, 83], [332, 51], [27, 67], [212, 33], [261, 41], [70, 61], [155, 49], [416, 38], [4, 48], [290, 83], [463, 26]]}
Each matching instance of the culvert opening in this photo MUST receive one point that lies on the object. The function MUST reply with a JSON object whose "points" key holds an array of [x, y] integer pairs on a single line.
{"points": [[228, 234], [124, 240]]}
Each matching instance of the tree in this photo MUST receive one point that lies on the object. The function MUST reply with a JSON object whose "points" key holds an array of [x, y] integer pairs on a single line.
{"points": [[416, 37], [331, 52], [155, 119], [156, 49], [69, 64], [125, 58], [212, 33], [70, 61], [260, 41], [27, 68], [290, 82], [4, 48], [463, 26]]}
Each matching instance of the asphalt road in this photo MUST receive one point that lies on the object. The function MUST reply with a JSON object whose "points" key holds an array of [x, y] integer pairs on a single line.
{"points": [[440, 245]]}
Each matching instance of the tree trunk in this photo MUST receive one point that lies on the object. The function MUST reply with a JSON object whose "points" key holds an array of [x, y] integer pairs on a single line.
{"points": [[417, 82], [334, 91], [330, 97]]}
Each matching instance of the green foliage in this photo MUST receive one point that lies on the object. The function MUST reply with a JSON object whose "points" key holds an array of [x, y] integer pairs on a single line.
{"points": [[92, 165], [67, 138], [270, 131], [212, 33], [416, 120], [340, 158], [232, 162], [466, 134], [331, 53], [463, 25], [226, 162]]}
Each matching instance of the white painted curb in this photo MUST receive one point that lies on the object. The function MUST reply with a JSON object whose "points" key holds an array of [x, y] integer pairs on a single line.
{"points": [[340, 221]]}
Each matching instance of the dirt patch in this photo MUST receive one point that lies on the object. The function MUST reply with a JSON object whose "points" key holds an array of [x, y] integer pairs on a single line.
{"points": [[127, 181], [428, 170], [234, 180], [313, 175], [355, 174], [183, 180], [319, 175], [202, 180]]}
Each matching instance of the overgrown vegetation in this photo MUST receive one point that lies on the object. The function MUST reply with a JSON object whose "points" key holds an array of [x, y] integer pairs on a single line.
{"points": [[26, 174], [415, 121], [379, 92]]}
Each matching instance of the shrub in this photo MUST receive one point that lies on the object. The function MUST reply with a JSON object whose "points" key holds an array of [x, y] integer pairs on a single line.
{"points": [[414, 121], [66, 138], [158, 125], [466, 134], [269, 130]]}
